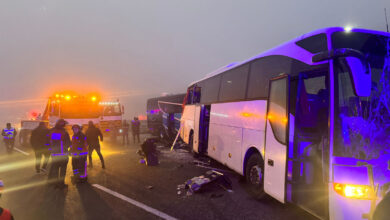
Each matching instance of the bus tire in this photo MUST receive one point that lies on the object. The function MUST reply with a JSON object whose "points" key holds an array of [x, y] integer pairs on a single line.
{"points": [[254, 175]]}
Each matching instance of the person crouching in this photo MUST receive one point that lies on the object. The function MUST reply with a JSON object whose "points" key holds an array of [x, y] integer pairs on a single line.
{"points": [[79, 152]]}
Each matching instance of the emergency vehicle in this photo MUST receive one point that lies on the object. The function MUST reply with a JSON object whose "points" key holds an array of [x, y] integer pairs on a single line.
{"points": [[80, 109]]}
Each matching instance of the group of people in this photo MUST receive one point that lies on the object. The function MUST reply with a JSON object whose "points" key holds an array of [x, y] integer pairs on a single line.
{"points": [[57, 144], [135, 130]]}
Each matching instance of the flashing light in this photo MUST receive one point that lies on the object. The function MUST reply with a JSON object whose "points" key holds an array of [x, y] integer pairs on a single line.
{"points": [[93, 98], [348, 29], [108, 103], [120, 130], [68, 97], [354, 191], [57, 95]]}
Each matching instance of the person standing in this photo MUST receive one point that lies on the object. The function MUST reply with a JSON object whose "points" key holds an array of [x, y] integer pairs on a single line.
{"points": [[125, 132], [59, 144], [9, 134], [79, 151], [93, 134], [39, 141], [135, 129]]}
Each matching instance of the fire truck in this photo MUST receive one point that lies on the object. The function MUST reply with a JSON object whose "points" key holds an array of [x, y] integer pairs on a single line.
{"points": [[80, 109]]}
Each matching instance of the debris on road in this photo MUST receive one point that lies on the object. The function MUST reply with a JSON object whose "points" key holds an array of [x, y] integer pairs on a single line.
{"points": [[205, 182], [149, 187]]}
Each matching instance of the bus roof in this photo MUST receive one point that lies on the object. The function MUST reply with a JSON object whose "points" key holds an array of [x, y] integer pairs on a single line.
{"points": [[290, 49]]}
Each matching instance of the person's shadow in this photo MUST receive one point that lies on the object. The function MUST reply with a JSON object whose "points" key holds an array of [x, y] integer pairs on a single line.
{"points": [[94, 206], [52, 203]]}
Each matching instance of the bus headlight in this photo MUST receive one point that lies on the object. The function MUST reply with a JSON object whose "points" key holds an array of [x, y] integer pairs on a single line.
{"points": [[354, 191]]}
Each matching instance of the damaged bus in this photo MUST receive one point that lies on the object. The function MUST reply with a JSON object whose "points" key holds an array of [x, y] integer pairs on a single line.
{"points": [[307, 122]]}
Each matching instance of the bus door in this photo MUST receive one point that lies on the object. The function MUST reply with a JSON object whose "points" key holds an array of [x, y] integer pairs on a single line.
{"points": [[276, 138], [202, 112], [309, 154]]}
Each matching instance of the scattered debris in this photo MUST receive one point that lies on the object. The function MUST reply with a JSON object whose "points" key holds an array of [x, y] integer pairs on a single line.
{"points": [[202, 163], [205, 182], [149, 187]]}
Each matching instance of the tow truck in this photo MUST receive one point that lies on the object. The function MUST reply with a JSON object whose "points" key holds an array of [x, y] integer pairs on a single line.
{"points": [[80, 109]]}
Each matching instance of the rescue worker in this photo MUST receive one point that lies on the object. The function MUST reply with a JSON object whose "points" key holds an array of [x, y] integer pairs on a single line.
{"points": [[79, 151], [93, 134], [125, 132], [5, 214], [135, 129], [9, 134], [59, 144], [39, 141]]}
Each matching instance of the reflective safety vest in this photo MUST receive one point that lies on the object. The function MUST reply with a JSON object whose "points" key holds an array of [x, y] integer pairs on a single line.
{"points": [[5, 214], [10, 133]]}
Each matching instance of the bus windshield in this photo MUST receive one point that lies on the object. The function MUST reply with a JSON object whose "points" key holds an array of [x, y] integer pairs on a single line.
{"points": [[362, 124]]}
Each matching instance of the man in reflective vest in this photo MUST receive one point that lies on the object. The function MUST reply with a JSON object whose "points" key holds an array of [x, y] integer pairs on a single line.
{"points": [[5, 214], [9, 134], [59, 144]]}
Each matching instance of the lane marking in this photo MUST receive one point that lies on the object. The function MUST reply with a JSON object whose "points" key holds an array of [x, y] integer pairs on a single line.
{"points": [[136, 203], [20, 151]]}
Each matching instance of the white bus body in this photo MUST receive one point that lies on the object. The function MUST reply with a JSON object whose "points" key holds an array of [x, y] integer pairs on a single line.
{"points": [[306, 122]]}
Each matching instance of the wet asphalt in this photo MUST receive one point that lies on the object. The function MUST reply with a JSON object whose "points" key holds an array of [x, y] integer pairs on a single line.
{"points": [[27, 195]]}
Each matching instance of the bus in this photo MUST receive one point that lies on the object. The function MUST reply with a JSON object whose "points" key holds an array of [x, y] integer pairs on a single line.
{"points": [[164, 114], [80, 109], [307, 122]]}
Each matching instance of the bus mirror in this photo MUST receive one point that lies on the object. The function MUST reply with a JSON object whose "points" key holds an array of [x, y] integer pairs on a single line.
{"points": [[337, 53], [361, 76]]}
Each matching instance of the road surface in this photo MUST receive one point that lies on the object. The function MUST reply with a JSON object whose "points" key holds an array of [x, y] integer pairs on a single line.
{"points": [[127, 189]]}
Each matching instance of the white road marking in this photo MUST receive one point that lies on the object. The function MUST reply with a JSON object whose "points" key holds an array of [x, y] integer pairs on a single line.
{"points": [[136, 203], [20, 151]]}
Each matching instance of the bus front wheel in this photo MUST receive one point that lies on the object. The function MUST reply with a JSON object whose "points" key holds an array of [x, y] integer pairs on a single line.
{"points": [[254, 175]]}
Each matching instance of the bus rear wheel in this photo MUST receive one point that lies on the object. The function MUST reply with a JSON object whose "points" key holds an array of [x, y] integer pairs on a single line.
{"points": [[254, 176]]}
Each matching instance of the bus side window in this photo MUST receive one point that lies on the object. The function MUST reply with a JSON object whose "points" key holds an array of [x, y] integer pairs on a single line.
{"points": [[189, 96], [197, 94]]}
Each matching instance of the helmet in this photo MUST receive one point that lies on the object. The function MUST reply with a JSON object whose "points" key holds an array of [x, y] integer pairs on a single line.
{"points": [[61, 123], [76, 126]]}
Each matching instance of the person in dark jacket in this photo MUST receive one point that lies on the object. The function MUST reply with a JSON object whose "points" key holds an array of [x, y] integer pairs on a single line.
{"points": [[79, 151], [59, 144], [135, 129], [39, 141], [9, 133], [93, 134]]}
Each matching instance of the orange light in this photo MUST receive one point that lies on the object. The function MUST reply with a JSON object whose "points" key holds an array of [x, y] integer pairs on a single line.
{"points": [[67, 97], [246, 114], [57, 95], [93, 98], [285, 120], [58, 101], [250, 115], [354, 191], [269, 117]]}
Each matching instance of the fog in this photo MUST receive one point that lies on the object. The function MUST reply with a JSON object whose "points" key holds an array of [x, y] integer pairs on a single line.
{"points": [[134, 50]]}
